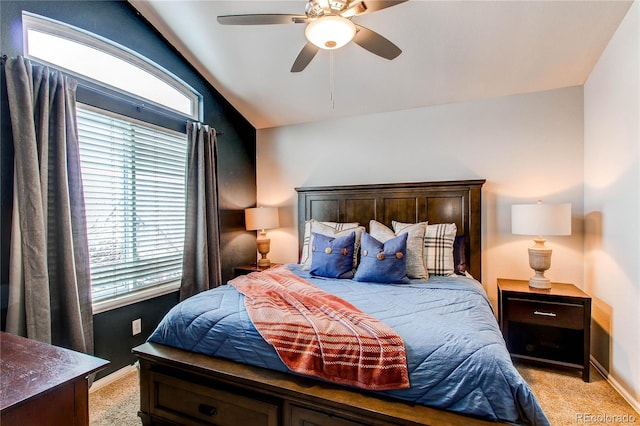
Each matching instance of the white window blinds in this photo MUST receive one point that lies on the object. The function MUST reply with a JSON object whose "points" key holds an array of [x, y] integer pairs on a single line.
{"points": [[133, 175]]}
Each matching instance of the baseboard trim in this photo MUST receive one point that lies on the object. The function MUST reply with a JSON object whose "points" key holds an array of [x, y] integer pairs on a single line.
{"points": [[116, 375], [616, 385]]}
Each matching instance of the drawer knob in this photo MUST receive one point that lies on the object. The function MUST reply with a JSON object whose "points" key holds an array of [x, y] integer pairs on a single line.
{"points": [[545, 314], [207, 410]]}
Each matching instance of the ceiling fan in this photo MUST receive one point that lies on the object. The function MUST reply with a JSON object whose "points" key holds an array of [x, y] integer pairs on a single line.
{"points": [[329, 26]]}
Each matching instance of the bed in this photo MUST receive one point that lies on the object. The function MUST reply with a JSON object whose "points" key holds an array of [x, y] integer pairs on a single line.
{"points": [[207, 364]]}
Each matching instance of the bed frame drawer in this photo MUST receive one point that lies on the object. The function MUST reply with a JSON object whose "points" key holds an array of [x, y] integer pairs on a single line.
{"points": [[301, 416], [189, 403], [566, 315]]}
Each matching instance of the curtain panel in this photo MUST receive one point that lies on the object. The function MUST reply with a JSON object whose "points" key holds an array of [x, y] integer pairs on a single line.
{"points": [[49, 283], [201, 265]]}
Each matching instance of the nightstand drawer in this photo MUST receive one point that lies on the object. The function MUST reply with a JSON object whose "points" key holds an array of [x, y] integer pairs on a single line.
{"points": [[566, 315]]}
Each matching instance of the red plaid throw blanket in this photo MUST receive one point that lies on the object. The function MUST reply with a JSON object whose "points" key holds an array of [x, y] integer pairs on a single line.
{"points": [[318, 334]]}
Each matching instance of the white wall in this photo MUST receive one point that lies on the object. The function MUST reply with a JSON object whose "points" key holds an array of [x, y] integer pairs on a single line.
{"points": [[612, 205], [552, 145], [527, 147]]}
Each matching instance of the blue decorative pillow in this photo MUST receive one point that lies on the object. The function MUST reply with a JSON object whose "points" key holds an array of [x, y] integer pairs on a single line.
{"points": [[383, 262], [332, 257]]}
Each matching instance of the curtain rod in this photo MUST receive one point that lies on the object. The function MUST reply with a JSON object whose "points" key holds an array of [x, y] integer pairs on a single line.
{"points": [[122, 98]]}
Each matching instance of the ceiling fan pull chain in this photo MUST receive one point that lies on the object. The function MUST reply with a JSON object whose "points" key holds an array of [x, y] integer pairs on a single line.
{"points": [[331, 99]]}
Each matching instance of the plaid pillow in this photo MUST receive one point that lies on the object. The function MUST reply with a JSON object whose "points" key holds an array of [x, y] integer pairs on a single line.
{"points": [[438, 247]]}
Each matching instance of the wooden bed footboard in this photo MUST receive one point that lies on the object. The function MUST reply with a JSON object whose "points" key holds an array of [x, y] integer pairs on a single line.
{"points": [[185, 388]]}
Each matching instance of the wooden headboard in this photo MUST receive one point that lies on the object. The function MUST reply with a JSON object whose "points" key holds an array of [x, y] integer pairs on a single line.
{"points": [[456, 202]]}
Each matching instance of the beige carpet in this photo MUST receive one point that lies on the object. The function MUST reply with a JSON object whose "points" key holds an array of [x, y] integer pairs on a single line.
{"points": [[117, 403], [564, 397], [567, 400]]}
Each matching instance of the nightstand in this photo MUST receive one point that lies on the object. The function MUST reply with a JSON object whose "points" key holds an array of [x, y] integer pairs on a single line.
{"points": [[247, 269], [551, 327]]}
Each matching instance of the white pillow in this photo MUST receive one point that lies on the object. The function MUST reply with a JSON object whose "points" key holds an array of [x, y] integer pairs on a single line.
{"points": [[416, 267], [330, 229], [438, 246]]}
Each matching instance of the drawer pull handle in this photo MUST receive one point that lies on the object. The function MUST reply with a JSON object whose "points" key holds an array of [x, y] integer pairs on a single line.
{"points": [[207, 410], [545, 314]]}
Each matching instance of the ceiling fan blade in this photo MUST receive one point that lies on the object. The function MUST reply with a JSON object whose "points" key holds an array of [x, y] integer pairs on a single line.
{"points": [[305, 56], [265, 19], [375, 43], [362, 7]]}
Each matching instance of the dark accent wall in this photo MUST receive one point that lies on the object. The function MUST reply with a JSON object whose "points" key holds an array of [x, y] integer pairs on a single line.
{"points": [[120, 22], [116, 324]]}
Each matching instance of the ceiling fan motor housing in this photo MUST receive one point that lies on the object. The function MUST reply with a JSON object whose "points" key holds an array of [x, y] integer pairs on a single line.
{"points": [[316, 8]]}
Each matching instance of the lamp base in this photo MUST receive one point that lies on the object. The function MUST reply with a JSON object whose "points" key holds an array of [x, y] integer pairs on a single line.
{"points": [[539, 261], [542, 283], [263, 248], [264, 263]]}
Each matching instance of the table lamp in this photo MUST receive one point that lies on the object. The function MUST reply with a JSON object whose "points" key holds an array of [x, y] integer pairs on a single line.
{"points": [[262, 218], [540, 219]]}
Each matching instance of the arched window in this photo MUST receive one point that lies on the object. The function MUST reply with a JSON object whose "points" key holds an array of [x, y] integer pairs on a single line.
{"points": [[133, 171], [104, 63]]}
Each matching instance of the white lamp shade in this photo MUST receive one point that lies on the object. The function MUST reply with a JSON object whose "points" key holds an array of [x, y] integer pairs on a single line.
{"points": [[261, 218], [330, 32], [541, 219]]}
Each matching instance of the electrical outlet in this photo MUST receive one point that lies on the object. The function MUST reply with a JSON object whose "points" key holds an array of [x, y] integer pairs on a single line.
{"points": [[136, 327]]}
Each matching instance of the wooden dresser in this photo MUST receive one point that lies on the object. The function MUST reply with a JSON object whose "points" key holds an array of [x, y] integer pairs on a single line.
{"points": [[42, 384]]}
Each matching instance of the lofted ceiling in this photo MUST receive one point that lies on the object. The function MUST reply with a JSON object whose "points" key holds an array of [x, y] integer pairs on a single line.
{"points": [[452, 51]]}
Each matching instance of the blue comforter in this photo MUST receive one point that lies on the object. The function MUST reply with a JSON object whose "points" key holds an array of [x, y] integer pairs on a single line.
{"points": [[456, 357]]}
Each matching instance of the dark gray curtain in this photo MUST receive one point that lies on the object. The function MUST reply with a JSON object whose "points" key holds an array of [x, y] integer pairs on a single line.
{"points": [[49, 284], [201, 268]]}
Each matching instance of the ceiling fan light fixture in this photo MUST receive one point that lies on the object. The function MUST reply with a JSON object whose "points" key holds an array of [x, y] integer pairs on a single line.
{"points": [[330, 32]]}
